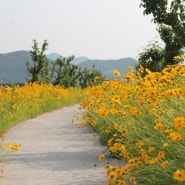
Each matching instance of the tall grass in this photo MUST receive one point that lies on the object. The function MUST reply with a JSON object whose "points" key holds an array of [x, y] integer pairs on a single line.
{"points": [[142, 122]]}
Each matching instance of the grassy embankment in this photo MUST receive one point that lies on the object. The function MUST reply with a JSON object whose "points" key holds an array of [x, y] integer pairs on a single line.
{"points": [[142, 122]]}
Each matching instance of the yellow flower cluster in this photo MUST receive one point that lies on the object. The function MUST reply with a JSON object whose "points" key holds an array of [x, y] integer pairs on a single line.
{"points": [[142, 122], [19, 103]]}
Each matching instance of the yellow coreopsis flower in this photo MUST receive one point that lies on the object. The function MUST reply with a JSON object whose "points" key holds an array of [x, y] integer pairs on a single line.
{"points": [[116, 72], [165, 164], [179, 175], [165, 145], [179, 122], [158, 126], [121, 182], [151, 149], [176, 58], [5, 146], [116, 126], [101, 157], [154, 160], [161, 155], [139, 144], [175, 136], [171, 93], [116, 99]]}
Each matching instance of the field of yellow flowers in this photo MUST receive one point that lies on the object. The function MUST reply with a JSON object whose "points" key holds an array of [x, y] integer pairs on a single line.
{"points": [[142, 122], [20, 103]]}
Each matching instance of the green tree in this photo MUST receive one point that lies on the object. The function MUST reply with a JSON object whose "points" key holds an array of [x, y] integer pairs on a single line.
{"points": [[65, 73], [152, 57], [61, 71], [39, 70], [90, 78], [173, 45], [169, 15]]}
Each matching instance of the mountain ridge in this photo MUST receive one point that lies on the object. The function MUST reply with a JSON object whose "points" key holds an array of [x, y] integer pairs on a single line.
{"points": [[13, 66]]}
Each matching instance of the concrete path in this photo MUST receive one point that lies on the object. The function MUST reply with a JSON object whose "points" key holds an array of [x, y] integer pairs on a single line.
{"points": [[54, 152]]}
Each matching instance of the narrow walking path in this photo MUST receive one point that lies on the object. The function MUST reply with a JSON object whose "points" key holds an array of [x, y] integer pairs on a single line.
{"points": [[54, 152]]}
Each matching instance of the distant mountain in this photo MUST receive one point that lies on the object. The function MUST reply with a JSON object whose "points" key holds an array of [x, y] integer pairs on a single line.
{"points": [[13, 66], [53, 56], [77, 60], [107, 66]]}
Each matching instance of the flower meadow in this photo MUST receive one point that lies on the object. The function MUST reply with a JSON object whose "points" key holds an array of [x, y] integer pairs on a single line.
{"points": [[142, 122], [20, 103]]}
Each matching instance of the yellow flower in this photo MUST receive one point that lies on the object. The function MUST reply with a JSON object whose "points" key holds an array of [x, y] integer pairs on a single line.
{"points": [[171, 93], [5, 146], [161, 155], [116, 99], [103, 112], [141, 69], [109, 142], [122, 148], [175, 136], [153, 161], [170, 112], [107, 130], [179, 122], [101, 157], [158, 126], [79, 125], [3, 134], [139, 144], [10, 114], [165, 145], [176, 58], [116, 126], [151, 149], [134, 110], [130, 68], [133, 180], [165, 164], [116, 72], [121, 182], [179, 175], [15, 147]]}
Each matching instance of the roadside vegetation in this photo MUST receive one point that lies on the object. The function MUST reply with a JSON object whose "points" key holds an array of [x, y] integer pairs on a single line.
{"points": [[142, 122], [140, 117]]}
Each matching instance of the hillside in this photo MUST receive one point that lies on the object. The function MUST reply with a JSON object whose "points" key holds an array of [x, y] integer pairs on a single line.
{"points": [[77, 60], [13, 66], [107, 66]]}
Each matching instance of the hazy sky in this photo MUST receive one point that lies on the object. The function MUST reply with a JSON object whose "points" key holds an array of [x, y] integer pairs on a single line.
{"points": [[98, 29]]}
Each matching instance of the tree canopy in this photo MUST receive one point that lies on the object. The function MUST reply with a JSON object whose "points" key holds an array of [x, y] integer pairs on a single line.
{"points": [[61, 71], [169, 15]]}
